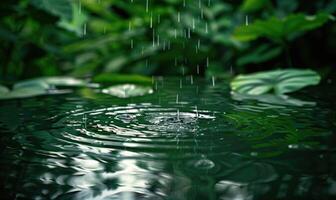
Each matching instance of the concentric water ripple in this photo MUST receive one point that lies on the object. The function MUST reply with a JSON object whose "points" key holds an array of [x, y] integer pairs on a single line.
{"points": [[139, 126]]}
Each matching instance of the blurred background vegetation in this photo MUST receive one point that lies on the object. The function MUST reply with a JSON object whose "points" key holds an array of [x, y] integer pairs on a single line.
{"points": [[85, 38]]}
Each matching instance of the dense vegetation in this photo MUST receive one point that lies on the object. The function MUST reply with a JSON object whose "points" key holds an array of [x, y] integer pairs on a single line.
{"points": [[169, 37]]}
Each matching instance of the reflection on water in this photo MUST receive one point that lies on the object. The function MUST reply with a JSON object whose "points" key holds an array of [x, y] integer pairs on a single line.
{"points": [[190, 142]]}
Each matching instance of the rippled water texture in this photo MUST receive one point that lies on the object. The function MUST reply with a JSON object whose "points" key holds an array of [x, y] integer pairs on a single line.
{"points": [[187, 140]]}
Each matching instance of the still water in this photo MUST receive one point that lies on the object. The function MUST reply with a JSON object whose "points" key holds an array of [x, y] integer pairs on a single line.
{"points": [[187, 140]]}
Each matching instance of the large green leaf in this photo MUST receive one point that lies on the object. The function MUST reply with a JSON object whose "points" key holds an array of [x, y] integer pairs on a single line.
{"points": [[49, 82], [77, 22], [277, 81], [3, 89], [259, 54], [24, 92], [128, 90], [273, 99], [60, 8], [38, 86], [253, 5], [279, 29]]}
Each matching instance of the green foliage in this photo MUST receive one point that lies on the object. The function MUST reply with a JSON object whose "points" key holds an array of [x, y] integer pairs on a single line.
{"points": [[280, 29], [60, 8], [253, 5], [278, 82], [90, 37]]}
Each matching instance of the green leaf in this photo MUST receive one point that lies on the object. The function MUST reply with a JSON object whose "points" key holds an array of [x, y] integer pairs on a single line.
{"points": [[128, 90], [39, 86], [260, 54], [24, 92], [253, 5], [3, 89], [121, 78], [273, 99], [77, 22], [277, 81], [279, 29], [60, 8], [49, 82]]}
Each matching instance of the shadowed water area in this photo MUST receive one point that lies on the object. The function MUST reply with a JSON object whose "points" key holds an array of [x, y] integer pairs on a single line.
{"points": [[187, 140]]}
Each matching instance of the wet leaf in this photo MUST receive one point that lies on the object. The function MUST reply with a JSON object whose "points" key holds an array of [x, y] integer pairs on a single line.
{"points": [[60, 8], [278, 82], [128, 90], [49, 82], [273, 99], [39, 86], [253, 5], [76, 23], [3, 89], [24, 92], [279, 29], [122, 78], [260, 54]]}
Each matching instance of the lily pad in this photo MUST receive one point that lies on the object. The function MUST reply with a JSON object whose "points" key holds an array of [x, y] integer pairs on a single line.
{"points": [[39, 86], [3, 89], [128, 90], [278, 82], [49, 82], [24, 92], [273, 99]]}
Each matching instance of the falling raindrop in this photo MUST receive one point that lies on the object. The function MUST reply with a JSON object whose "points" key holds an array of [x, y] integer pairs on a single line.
{"points": [[213, 81], [147, 5], [84, 30]]}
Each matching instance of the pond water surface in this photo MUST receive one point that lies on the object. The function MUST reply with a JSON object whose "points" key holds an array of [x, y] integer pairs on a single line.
{"points": [[187, 140]]}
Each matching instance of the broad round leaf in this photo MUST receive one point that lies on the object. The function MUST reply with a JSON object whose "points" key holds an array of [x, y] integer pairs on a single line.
{"points": [[24, 92], [273, 99], [128, 90], [278, 81], [3, 90], [48, 82]]}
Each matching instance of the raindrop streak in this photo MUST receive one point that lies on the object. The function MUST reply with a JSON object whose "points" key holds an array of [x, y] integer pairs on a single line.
{"points": [[177, 98], [84, 30], [246, 20], [213, 81]]}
